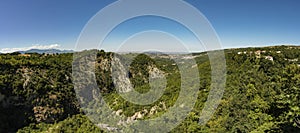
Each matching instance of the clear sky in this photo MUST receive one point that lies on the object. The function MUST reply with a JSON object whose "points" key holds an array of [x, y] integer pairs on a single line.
{"points": [[28, 24]]}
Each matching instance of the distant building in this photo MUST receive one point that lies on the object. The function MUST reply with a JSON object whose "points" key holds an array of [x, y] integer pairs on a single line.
{"points": [[25, 55], [293, 60], [257, 53], [269, 58]]}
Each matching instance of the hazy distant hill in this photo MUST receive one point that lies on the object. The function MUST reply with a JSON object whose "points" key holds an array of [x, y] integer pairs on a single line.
{"points": [[46, 51]]}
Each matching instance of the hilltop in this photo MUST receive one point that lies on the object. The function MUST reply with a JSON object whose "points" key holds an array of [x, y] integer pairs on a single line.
{"points": [[46, 51], [42, 51]]}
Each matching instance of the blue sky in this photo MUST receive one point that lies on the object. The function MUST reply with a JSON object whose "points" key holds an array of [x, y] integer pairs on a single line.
{"points": [[58, 23]]}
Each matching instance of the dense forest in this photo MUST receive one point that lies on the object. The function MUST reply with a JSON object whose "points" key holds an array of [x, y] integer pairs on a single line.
{"points": [[261, 95]]}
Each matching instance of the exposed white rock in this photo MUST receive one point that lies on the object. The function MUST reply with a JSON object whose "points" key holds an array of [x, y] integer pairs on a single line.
{"points": [[120, 78]]}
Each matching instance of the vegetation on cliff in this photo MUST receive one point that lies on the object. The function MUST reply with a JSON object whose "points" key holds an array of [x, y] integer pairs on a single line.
{"points": [[262, 91]]}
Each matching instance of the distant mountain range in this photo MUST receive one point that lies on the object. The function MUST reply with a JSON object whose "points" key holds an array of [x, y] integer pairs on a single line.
{"points": [[46, 51]]}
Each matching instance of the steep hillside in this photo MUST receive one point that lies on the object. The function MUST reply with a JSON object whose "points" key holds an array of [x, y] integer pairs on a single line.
{"points": [[262, 91]]}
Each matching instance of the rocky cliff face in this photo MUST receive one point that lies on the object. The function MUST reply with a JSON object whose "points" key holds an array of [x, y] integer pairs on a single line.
{"points": [[126, 73]]}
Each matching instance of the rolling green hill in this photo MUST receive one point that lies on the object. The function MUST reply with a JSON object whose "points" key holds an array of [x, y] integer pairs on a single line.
{"points": [[261, 95]]}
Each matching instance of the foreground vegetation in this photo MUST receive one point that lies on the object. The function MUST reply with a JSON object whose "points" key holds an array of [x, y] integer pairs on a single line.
{"points": [[262, 92]]}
